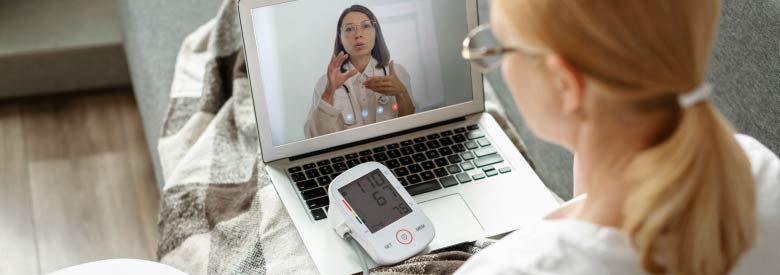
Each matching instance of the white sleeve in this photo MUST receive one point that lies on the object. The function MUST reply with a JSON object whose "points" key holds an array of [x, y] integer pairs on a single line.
{"points": [[323, 117]]}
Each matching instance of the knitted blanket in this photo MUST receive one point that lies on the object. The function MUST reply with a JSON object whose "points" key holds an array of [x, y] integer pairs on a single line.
{"points": [[220, 213]]}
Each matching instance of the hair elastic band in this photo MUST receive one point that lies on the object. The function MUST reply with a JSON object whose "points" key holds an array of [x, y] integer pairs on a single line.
{"points": [[699, 94]]}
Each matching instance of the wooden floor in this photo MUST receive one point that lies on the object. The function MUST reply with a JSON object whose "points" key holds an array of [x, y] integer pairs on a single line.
{"points": [[76, 182]]}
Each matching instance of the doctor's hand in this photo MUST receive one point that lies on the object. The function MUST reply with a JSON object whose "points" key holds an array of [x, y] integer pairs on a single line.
{"points": [[391, 85], [335, 77]]}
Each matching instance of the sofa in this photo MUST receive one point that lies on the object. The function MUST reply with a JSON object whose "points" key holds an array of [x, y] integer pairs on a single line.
{"points": [[745, 71]]}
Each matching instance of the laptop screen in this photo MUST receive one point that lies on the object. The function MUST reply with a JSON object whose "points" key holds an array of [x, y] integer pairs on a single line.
{"points": [[329, 66]]}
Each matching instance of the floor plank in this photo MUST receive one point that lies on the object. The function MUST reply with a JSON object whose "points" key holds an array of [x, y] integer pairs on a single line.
{"points": [[18, 253], [91, 182]]}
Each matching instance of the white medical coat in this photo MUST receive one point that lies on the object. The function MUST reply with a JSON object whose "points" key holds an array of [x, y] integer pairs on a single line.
{"points": [[325, 118]]}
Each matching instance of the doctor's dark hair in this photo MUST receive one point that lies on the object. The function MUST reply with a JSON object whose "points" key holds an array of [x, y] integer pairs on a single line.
{"points": [[379, 52]]}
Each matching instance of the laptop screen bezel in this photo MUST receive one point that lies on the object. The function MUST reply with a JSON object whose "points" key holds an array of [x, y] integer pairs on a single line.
{"points": [[271, 153]]}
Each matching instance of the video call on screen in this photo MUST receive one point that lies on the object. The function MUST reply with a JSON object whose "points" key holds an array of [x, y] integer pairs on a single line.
{"points": [[400, 58]]}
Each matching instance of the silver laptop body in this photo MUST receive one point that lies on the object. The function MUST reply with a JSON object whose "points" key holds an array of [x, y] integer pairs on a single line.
{"points": [[455, 159]]}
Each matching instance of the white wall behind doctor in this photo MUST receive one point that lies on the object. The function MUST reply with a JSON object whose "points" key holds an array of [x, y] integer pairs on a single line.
{"points": [[296, 40]]}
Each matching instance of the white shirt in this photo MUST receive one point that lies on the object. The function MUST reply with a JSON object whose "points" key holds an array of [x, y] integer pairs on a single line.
{"points": [[574, 247], [325, 118]]}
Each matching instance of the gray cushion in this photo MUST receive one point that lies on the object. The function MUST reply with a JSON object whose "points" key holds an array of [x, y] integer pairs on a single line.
{"points": [[153, 31]]}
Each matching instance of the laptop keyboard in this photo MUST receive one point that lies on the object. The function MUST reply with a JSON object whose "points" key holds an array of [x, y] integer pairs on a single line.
{"points": [[422, 164]]}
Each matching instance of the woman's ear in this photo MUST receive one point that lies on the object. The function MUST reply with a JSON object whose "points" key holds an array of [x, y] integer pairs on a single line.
{"points": [[568, 82]]}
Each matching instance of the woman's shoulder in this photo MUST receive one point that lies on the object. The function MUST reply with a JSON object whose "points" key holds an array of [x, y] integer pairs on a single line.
{"points": [[557, 247]]}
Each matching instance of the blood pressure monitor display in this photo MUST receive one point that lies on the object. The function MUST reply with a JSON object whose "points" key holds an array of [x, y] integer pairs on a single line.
{"points": [[375, 200]]}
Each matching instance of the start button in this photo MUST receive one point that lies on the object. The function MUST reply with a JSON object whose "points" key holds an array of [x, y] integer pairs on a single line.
{"points": [[403, 236]]}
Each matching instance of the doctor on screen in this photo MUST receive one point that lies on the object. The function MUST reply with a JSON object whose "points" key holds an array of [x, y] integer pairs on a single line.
{"points": [[361, 85]]}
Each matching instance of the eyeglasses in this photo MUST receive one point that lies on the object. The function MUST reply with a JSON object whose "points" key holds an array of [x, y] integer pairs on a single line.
{"points": [[365, 26], [483, 49]]}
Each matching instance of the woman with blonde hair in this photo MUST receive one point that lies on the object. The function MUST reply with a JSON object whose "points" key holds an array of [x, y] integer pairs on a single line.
{"points": [[662, 184]]}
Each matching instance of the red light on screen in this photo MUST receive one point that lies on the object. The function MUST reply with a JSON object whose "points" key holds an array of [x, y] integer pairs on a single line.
{"points": [[395, 106]]}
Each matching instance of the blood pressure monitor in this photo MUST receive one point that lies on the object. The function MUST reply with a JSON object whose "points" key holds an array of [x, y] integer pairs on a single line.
{"points": [[368, 203]]}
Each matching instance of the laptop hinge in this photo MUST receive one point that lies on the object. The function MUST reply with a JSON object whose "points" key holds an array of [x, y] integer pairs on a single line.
{"points": [[353, 144]]}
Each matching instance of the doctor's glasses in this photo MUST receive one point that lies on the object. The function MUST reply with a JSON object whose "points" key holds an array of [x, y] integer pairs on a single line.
{"points": [[483, 50], [365, 27]]}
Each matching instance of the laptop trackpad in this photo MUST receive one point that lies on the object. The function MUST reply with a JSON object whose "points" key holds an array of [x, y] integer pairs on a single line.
{"points": [[452, 219]]}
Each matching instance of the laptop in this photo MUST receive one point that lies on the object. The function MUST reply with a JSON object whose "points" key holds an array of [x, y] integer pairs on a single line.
{"points": [[454, 158]]}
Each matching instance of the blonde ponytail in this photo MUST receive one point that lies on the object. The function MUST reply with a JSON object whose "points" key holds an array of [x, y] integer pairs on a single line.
{"points": [[692, 207]]}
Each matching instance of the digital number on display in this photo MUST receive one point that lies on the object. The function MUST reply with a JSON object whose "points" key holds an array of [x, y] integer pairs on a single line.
{"points": [[375, 200]]}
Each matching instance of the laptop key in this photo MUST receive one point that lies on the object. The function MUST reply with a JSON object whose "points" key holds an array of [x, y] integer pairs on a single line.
{"points": [[324, 180], [454, 159], [352, 156], [467, 166], [441, 162], [393, 163], [428, 165], [413, 179], [460, 130], [446, 141], [420, 147], [318, 214], [312, 173], [378, 149], [448, 181], [366, 159], [340, 166], [427, 175], [307, 184], [403, 181], [446, 133], [326, 170], [394, 154], [415, 168], [491, 173], [505, 170], [401, 172], [309, 166], [381, 157], [459, 138], [473, 127], [475, 134], [453, 169], [337, 159], [313, 193], [295, 169], [406, 161], [424, 187], [463, 177], [408, 150], [352, 163], [467, 156], [481, 152], [406, 142], [458, 148], [364, 153], [433, 144], [419, 140], [445, 151], [433, 136], [471, 145], [318, 202], [483, 142], [298, 177], [441, 172], [419, 157], [323, 162], [393, 146], [478, 176], [432, 154], [488, 160], [488, 168]]}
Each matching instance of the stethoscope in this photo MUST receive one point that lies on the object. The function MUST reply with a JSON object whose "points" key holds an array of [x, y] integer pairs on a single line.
{"points": [[382, 100]]}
